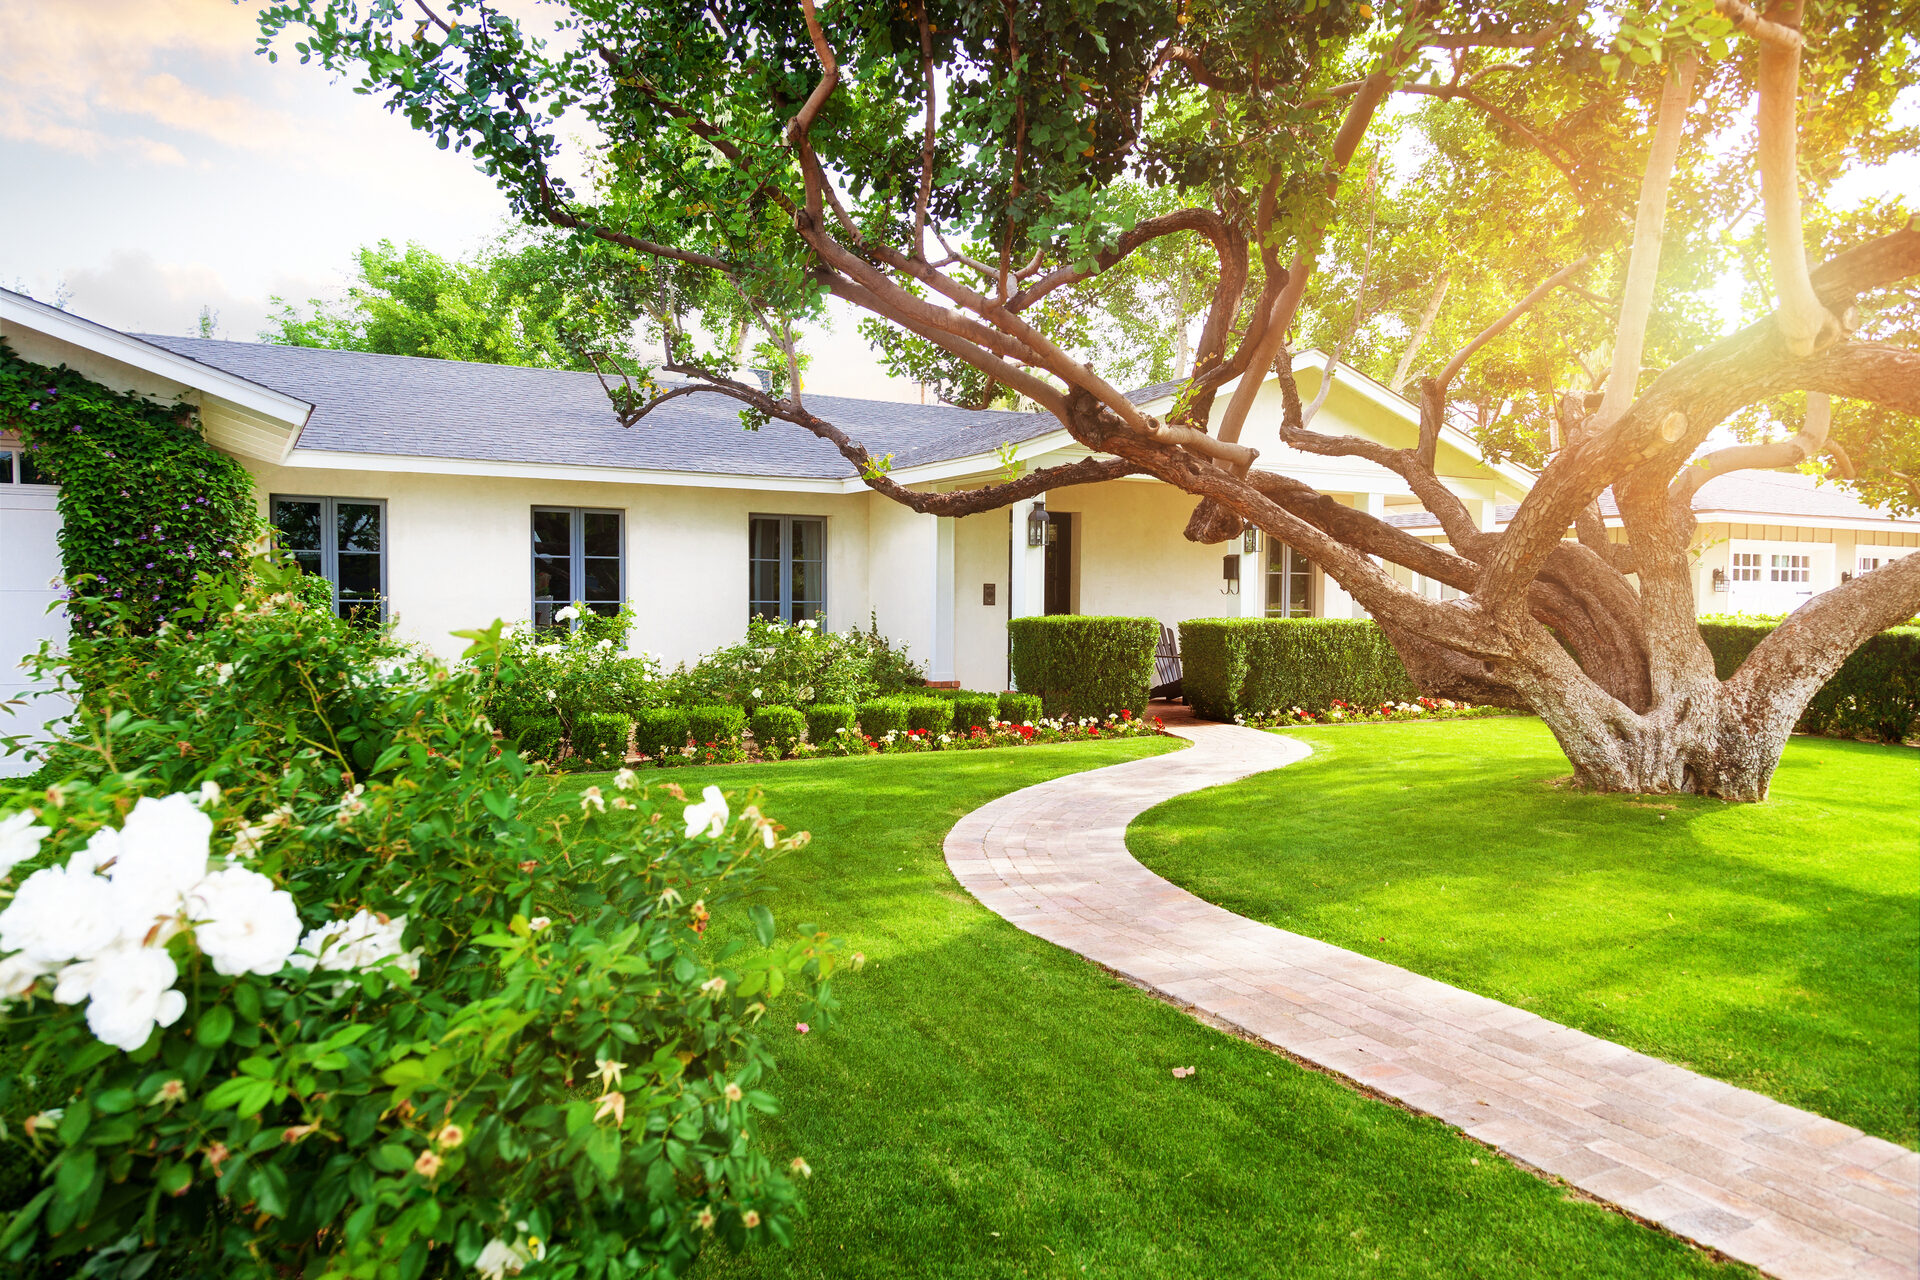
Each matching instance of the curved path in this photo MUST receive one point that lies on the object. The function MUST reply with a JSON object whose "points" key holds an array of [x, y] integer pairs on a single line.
{"points": [[1800, 1196]]}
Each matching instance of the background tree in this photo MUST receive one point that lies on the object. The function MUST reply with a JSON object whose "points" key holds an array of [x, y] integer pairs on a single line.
{"points": [[946, 166], [528, 300]]}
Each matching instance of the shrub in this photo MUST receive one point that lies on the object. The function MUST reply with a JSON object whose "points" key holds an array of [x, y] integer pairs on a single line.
{"points": [[1085, 666], [974, 711], [659, 731], [1020, 708], [796, 664], [718, 724], [1874, 694], [357, 1048], [600, 740], [1236, 666], [825, 721], [540, 739], [776, 729], [932, 716], [144, 501], [570, 674], [881, 716]]}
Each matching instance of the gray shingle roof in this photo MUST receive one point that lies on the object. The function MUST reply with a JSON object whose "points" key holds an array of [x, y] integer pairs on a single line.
{"points": [[407, 406], [1780, 496]]}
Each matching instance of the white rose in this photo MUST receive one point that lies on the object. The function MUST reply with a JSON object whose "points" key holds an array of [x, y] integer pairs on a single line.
{"points": [[17, 976], [60, 914], [498, 1260], [756, 693], [209, 794], [243, 923], [568, 614], [358, 942], [132, 994], [709, 816], [19, 839], [159, 854]]}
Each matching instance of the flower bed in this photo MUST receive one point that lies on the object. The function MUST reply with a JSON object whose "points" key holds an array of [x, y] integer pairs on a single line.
{"points": [[1341, 711], [853, 742]]}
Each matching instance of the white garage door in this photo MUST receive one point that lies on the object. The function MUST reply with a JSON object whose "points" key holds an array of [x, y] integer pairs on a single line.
{"points": [[1779, 577], [29, 558]]}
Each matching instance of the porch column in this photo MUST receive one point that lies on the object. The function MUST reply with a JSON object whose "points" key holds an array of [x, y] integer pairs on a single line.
{"points": [[1334, 600], [940, 665], [1252, 600], [1027, 571]]}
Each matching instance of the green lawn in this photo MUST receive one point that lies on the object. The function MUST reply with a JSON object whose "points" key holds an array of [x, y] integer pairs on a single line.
{"points": [[1774, 946], [989, 1105]]}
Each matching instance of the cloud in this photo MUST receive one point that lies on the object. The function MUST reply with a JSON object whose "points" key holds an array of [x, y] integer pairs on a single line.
{"points": [[135, 292]]}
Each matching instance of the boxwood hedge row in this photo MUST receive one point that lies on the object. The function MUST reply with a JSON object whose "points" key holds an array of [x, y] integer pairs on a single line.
{"points": [[1085, 666]]}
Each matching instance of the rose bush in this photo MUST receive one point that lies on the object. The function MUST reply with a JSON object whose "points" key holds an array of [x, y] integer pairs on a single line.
{"points": [[304, 976], [796, 665], [548, 682]]}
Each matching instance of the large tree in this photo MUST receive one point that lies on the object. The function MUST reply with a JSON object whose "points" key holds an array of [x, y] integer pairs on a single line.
{"points": [[950, 166]]}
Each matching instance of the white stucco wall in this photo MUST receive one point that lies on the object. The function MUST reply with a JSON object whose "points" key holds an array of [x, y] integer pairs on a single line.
{"points": [[29, 558], [459, 551], [980, 629]]}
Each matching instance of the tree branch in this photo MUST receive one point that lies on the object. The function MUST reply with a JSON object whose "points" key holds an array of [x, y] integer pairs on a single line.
{"points": [[1803, 321], [1398, 382]]}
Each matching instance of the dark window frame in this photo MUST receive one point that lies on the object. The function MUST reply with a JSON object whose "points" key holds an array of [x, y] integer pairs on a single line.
{"points": [[576, 561], [330, 546], [785, 605]]}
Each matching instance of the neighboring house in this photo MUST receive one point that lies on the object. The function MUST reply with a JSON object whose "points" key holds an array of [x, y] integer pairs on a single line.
{"points": [[446, 494], [1766, 542]]}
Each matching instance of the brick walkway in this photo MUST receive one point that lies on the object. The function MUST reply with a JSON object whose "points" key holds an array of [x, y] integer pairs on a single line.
{"points": [[1797, 1195]]}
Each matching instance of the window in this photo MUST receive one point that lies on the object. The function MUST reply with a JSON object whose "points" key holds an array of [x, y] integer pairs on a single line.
{"points": [[344, 540], [1791, 569], [1289, 580], [786, 567], [17, 465], [1746, 566], [1869, 563], [577, 558]]}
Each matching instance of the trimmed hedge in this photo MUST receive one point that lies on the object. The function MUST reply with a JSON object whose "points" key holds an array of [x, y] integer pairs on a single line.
{"points": [[882, 716], [659, 730], [825, 720], [1019, 708], [974, 711], [717, 723], [933, 716], [1236, 666], [777, 728], [1085, 666], [1874, 694], [600, 740]]}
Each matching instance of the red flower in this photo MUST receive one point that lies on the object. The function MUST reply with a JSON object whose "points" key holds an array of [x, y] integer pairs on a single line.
{"points": [[1126, 713]]}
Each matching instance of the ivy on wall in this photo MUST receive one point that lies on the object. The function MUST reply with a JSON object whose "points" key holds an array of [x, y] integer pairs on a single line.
{"points": [[145, 502]]}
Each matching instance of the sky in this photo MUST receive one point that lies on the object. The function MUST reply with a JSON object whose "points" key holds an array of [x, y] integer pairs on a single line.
{"points": [[157, 165]]}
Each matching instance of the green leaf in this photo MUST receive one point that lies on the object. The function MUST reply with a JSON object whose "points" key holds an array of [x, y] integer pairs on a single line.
{"points": [[257, 1094], [174, 1178], [762, 923], [113, 1101], [214, 1027], [76, 1173]]}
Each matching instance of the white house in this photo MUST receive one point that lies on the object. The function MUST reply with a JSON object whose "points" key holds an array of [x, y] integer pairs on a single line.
{"points": [[446, 494], [1765, 542]]}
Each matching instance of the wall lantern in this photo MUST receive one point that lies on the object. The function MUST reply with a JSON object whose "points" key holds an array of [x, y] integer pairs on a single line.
{"points": [[1037, 524], [1720, 580], [1250, 540], [1230, 570]]}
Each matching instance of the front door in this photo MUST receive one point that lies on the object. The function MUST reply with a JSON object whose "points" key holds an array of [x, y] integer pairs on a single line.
{"points": [[1059, 562]]}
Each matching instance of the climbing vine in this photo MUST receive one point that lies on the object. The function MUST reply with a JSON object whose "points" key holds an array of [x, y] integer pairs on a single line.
{"points": [[145, 502]]}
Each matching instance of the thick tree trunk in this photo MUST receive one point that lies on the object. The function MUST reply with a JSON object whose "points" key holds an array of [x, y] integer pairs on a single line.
{"points": [[1701, 744]]}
